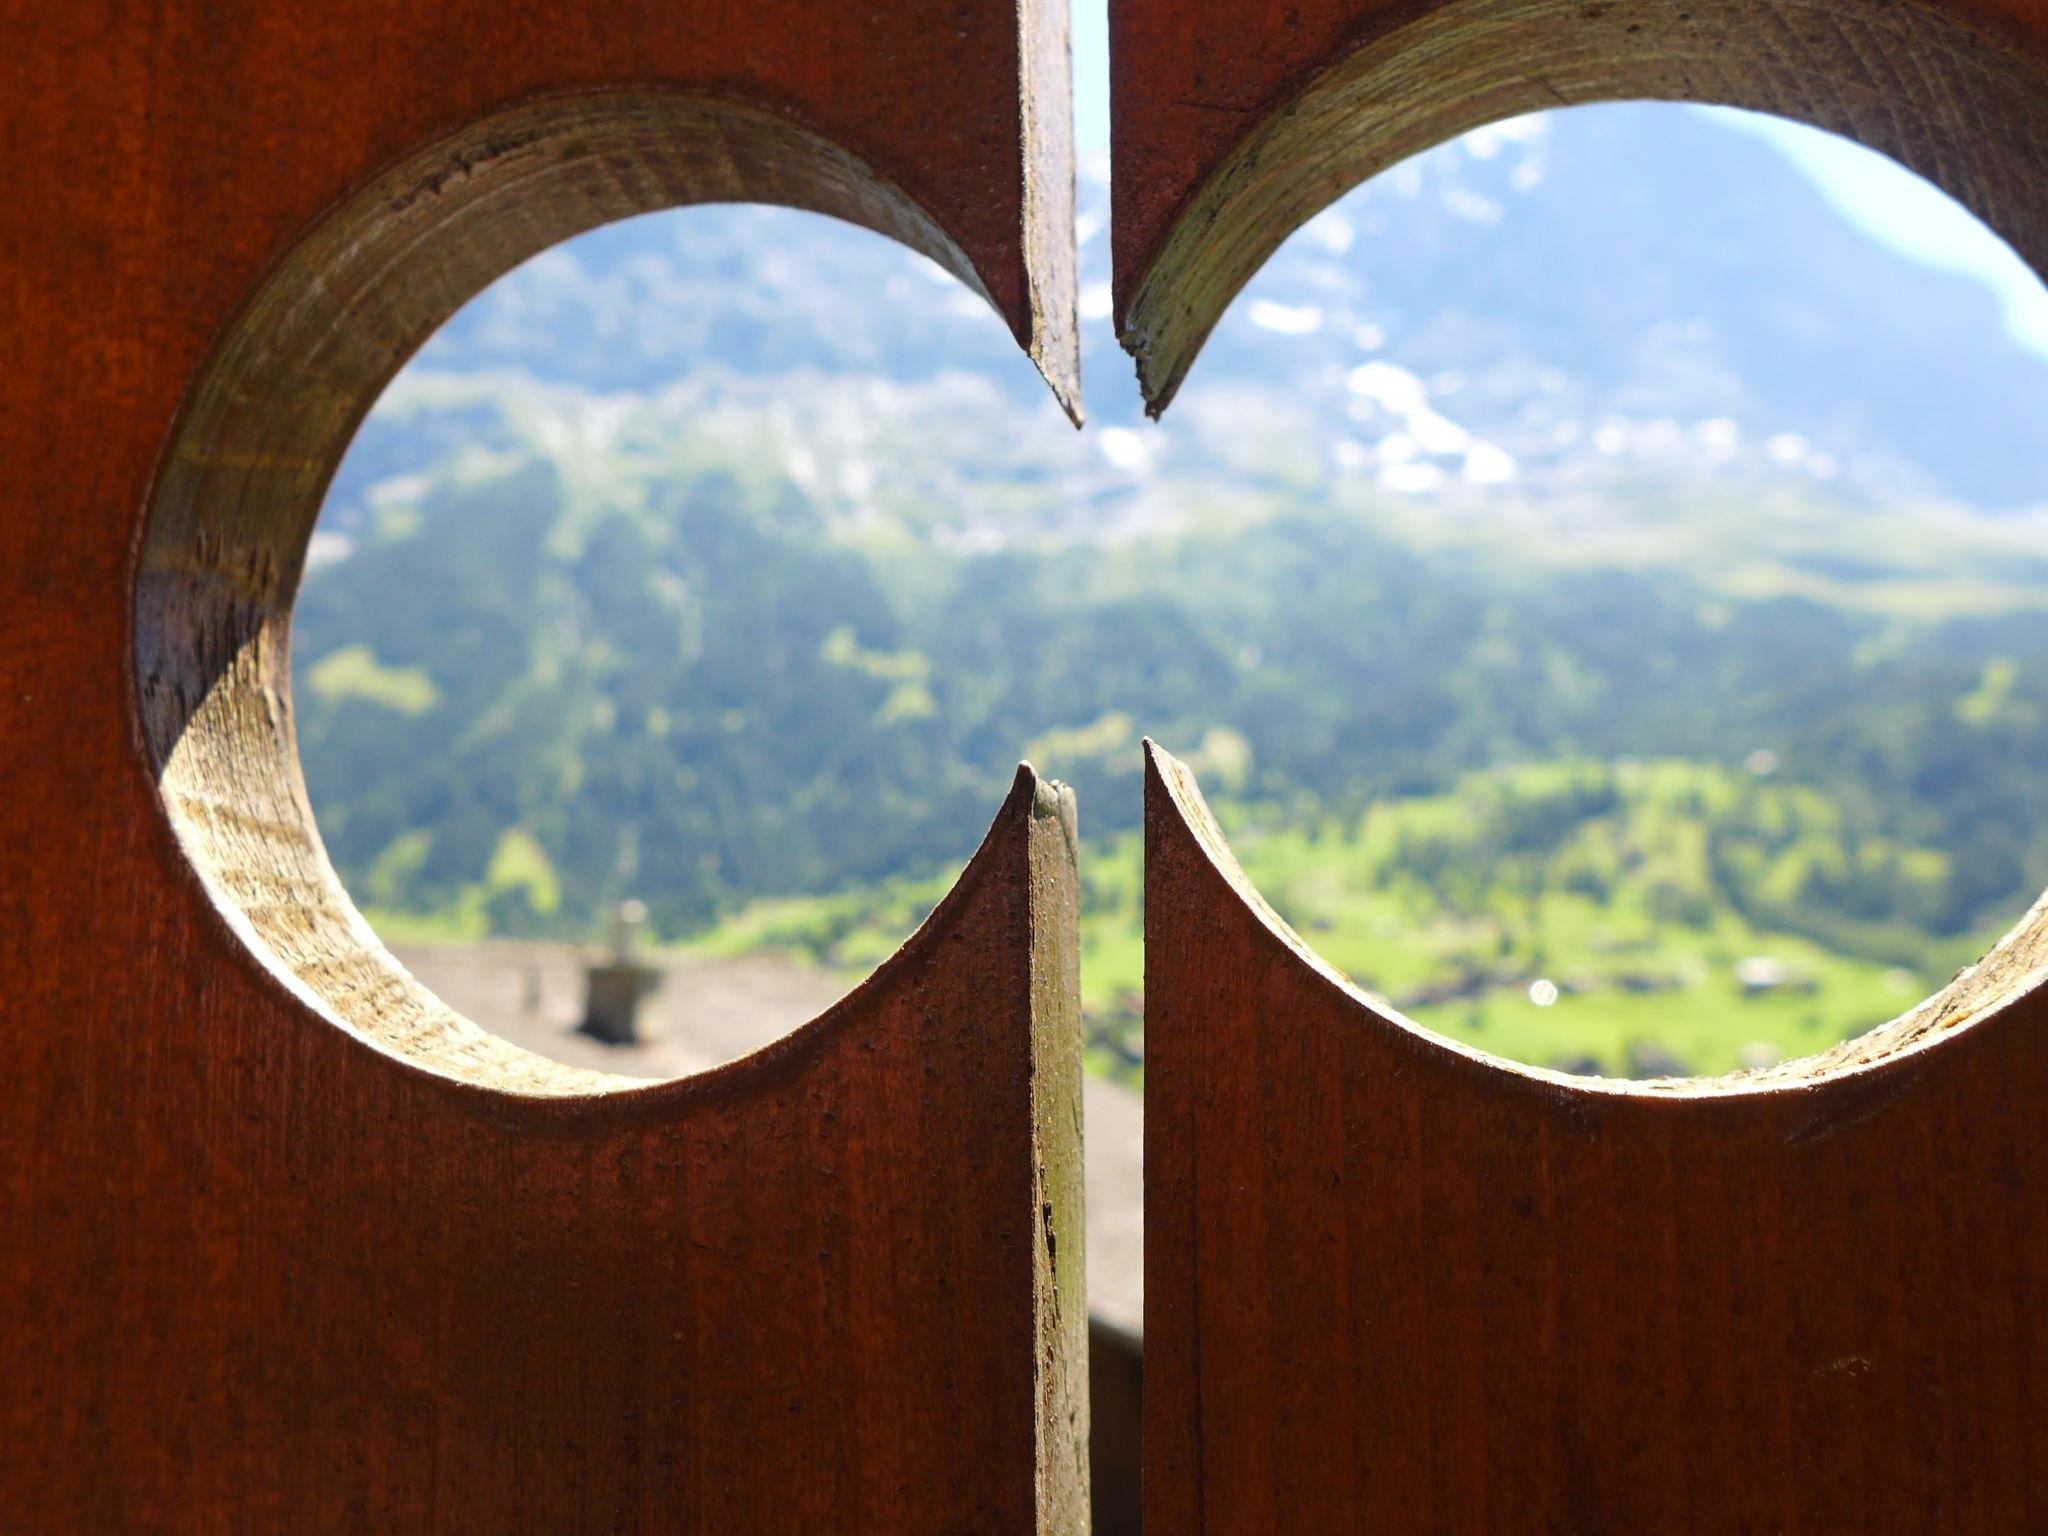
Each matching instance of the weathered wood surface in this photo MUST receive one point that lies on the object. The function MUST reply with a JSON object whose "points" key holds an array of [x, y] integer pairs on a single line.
{"points": [[1393, 1285], [285, 1244], [1236, 120]]}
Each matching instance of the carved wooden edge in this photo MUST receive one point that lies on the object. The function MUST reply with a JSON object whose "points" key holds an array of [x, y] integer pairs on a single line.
{"points": [[1358, 85], [1052, 335], [842, 1278], [2015, 970], [239, 490], [1396, 1284], [1058, 1183]]}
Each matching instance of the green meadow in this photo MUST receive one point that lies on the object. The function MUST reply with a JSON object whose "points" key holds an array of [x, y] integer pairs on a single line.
{"points": [[1626, 918]]}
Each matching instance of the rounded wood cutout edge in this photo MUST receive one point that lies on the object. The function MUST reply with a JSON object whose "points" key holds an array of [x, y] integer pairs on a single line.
{"points": [[2016, 966], [1967, 112], [224, 538]]}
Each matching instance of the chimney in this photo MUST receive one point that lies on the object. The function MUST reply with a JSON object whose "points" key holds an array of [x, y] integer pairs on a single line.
{"points": [[614, 987]]}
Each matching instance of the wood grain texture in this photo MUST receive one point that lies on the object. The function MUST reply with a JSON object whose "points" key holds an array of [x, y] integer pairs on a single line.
{"points": [[1235, 121], [284, 1244], [1394, 1285]]}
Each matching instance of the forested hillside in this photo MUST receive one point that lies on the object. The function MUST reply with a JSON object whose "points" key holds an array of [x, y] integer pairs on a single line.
{"points": [[516, 711]]}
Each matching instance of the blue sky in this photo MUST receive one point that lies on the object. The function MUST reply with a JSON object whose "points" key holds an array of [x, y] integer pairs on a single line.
{"points": [[1895, 205]]}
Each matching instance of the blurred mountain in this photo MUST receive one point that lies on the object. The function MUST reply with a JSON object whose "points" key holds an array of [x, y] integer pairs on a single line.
{"points": [[1545, 315]]}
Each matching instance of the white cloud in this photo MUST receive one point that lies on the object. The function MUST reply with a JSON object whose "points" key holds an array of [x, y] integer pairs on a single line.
{"points": [[1285, 319], [1124, 449]]}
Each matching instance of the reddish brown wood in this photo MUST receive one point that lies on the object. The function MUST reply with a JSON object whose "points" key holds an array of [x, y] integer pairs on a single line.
{"points": [[284, 1244], [1393, 1285], [1236, 120]]}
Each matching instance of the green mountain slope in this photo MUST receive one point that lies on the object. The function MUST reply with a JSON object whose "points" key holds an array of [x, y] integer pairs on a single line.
{"points": [[520, 702], [1629, 918]]}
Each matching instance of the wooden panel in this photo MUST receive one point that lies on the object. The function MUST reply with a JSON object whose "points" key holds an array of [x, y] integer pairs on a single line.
{"points": [[288, 1245], [1393, 1285], [1235, 121]]}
